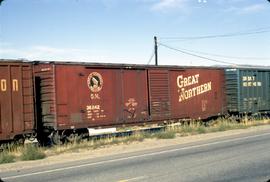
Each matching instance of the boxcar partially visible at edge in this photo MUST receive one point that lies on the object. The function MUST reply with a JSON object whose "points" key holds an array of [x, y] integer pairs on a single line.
{"points": [[16, 100], [248, 90]]}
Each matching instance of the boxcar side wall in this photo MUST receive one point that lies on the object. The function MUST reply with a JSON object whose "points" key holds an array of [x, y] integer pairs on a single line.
{"points": [[16, 100], [95, 97], [197, 93], [78, 96], [186, 93], [248, 90], [86, 96], [254, 91]]}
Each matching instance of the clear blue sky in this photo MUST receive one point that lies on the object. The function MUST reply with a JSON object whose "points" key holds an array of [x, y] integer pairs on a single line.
{"points": [[122, 31]]}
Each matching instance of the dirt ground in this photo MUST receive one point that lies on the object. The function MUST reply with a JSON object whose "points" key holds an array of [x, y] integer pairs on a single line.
{"points": [[123, 148]]}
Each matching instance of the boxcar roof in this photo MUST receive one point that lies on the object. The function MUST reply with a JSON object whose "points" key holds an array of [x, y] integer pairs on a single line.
{"points": [[133, 66]]}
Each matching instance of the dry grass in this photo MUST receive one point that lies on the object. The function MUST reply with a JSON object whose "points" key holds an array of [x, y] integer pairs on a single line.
{"points": [[221, 124], [167, 134], [6, 157], [192, 128], [94, 144], [31, 152], [28, 152]]}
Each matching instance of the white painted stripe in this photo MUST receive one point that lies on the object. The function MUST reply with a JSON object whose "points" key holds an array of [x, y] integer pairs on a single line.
{"points": [[133, 157], [93, 131], [133, 179]]}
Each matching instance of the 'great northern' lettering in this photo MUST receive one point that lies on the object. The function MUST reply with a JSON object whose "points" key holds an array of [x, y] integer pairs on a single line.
{"points": [[183, 82]]}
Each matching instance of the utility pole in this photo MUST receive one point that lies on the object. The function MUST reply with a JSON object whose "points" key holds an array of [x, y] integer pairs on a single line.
{"points": [[156, 51], [1, 2]]}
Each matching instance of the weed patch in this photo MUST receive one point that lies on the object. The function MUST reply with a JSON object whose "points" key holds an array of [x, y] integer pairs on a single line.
{"points": [[31, 152], [6, 157], [169, 134], [201, 130]]}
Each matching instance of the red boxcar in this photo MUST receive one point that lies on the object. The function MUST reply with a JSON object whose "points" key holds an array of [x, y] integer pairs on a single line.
{"points": [[91, 95], [16, 100], [73, 96]]}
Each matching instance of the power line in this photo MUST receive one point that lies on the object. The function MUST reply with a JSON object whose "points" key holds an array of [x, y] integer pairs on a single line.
{"points": [[251, 32], [216, 36], [227, 57], [195, 55]]}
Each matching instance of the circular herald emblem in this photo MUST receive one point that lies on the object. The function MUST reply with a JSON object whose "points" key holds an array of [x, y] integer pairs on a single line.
{"points": [[95, 82]]}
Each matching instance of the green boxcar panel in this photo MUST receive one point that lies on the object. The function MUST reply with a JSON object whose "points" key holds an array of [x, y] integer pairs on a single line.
{"points": [[248, 90]]}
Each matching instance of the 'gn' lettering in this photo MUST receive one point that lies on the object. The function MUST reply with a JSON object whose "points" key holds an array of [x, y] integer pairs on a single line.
{"points": [[3, 85]]}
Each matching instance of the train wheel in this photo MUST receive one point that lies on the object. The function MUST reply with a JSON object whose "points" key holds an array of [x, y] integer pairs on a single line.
{"points": [[56, 138], [73, 138], [20, 141]]}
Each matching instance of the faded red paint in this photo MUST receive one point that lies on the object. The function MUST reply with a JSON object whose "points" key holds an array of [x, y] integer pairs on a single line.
{"points": [[78, 96], [16, 99], [197, 93], [134, 95], [81, 96]]}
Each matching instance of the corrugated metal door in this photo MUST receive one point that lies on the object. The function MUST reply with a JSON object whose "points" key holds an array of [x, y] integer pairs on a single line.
{"points": [[134, 93], [45, 95], [232, 89], [159, 94]]}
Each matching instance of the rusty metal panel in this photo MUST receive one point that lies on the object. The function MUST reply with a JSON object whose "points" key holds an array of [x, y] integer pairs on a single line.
{"points": [[134, 95], [16, 99], [86, 97], [159, 93], [78, 96], [197, 93]]}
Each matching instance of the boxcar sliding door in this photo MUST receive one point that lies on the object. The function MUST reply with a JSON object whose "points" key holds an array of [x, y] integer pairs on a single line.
{"points": [[134, 95]]}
